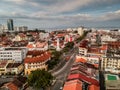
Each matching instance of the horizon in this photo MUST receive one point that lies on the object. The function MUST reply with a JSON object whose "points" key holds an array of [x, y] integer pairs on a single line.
{"points": [[61, 14]]}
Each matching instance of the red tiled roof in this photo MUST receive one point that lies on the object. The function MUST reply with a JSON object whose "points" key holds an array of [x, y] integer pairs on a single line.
{"points": [[30, 46], [73, 85], [94, 50], [84, 44], [74, 68], [103, 47], [41, 58], [79, 70], [22, 35], [40, 45], [96, 65], [114, 43], [60, 35], [13, 65], [80, 60], [3, 63], [35, 52], [89, 65], [93, 87], [12, 86], [37, 45], [84, 78], [16, 83]]}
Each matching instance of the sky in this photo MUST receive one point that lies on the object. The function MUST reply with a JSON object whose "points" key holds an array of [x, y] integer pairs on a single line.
{"points": [[53, 14]]}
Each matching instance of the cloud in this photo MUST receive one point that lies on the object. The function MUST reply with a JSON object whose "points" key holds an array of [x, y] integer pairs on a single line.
{"points": [[57, 6], [60, 13], [16, 1], [110, 16], [68, 5]]}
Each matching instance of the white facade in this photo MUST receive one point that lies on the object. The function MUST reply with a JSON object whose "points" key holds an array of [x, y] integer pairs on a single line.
{"points": [[82, 51], [15, 70], [107, 38], [3, 28], [93, 60], [58, 45], [69, 29], [80, 31], [22, 28], [11, 55], [111, 64], [39, 46], [43, 35], [17, 55]]}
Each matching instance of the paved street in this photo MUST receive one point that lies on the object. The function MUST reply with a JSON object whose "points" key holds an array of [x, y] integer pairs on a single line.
{"points": [[4, 80], [65, 67], [63, 61], [62, 73]]}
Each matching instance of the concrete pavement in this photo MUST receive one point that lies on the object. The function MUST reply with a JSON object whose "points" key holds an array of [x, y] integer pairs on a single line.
{"points": [[61, 75]]}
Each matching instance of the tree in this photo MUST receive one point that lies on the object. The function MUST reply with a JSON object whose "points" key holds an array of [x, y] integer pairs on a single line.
{"points": [[54, 60], [81, 37], [40, 79], [56, 54], [69, 45]]}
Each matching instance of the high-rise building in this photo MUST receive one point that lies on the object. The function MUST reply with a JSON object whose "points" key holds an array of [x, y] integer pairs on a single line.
{"points": [[21, 28], [10, 24], [58, 45], [80, 31]]}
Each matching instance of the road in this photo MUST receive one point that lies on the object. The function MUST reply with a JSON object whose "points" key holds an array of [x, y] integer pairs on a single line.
{"points": [[61, 74], [63, 69], [63, 61], [4, 80]]}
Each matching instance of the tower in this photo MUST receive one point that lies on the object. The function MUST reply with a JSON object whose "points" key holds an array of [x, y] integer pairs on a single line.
{"points": [[10, 24], [58, 45], [80, 31]]}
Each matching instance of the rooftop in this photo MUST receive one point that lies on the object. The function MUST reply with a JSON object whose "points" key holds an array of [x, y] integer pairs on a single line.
{"points": [[3, 63], [73, 85], [35, 52], [111, 77], [40, 58], [93, 87], [81, 60], [114, 85], [13, 65], [83, 77], [16, 83]]}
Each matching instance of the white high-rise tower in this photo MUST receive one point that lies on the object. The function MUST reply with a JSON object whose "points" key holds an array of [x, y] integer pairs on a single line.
{"points": [[58, 45], [80, 31]]}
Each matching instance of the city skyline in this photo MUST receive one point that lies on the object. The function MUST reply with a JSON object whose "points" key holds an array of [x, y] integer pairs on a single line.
{"points": [[61, 13]]}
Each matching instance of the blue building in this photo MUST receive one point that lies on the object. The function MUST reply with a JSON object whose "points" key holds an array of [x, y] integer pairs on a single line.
{"points": [[10, 24]]}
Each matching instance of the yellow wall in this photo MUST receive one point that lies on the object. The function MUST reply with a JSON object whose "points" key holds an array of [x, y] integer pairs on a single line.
{"points": [[28, 71]]}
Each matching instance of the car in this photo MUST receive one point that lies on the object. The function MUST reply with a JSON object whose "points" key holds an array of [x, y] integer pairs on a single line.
{"points": [[61, 88], [54, 82]]}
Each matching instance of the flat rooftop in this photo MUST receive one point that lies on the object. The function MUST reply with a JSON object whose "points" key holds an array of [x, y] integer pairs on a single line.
{"points": [[112, 82], [112, 85], [111, 77]]}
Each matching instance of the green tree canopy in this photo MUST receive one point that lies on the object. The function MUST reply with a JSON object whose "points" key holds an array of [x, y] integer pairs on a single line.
{"points": [[55, 59], [69, 45], [40, 79]]}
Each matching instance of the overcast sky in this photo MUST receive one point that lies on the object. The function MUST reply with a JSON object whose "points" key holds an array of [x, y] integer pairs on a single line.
{"points": [[61, 13]]}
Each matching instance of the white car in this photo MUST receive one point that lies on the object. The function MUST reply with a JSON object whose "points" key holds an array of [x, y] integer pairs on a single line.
{"points": [[61, 88]]}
